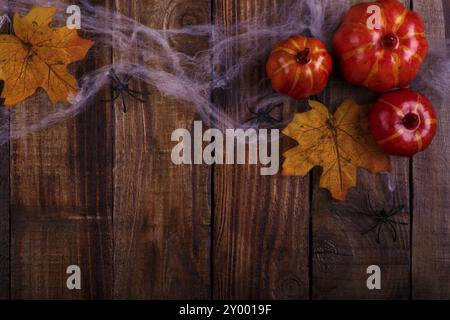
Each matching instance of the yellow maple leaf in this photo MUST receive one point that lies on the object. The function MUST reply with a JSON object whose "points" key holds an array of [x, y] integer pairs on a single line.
{"points": [[37, 55], [339, 143]]}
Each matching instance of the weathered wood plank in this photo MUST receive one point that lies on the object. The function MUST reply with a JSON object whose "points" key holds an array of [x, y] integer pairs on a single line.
{"points": [[61, 199], [431, 220], [161, 211], [4, 201], [261, 223], [4, 214], [341, 254]]}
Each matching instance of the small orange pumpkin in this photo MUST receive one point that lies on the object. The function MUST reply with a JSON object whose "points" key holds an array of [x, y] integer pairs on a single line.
{"points": [[299, 67]]}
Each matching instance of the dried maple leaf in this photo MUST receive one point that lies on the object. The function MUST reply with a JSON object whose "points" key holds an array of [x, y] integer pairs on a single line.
{"points": [[37, 55], [339, 143]]}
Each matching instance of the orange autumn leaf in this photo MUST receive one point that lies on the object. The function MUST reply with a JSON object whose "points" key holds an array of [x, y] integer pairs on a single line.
{"points": [[37, 55], [339, 143]]}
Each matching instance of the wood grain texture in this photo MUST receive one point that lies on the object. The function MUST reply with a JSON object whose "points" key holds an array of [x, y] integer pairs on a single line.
{"points": [[61, 199], [261, 223], [4, 203], [100, 191], [431, 189], [161, 210], [4, 215], [341, 253]]}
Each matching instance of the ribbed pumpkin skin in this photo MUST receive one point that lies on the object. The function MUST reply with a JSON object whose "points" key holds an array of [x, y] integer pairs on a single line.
{"points": [[385, 58], [299, 67], [403, 122]]}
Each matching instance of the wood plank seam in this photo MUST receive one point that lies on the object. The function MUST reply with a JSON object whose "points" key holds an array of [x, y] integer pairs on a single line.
{"points": [[5, 205]]}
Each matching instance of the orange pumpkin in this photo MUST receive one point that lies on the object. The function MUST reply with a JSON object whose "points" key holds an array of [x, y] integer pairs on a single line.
{"points": [[299, 66], [380, 57]]}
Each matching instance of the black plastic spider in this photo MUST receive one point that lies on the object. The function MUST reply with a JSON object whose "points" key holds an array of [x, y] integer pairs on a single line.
{"points": [[384, 218], [264, 116], [120, 87]]}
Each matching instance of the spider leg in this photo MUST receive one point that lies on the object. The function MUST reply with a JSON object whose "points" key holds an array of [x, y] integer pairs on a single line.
{"points": [[265, 112], [138, 92], [396, 210], [378, 233], [261, 120], [134, 96], [262, 116], [398, 222], [250, 119], [393, 231], [113, 75], [112, 78], [270, 109], [370, 229], [113, 99], [124, 106], [260, 112], [252, 112], [273, 120]]}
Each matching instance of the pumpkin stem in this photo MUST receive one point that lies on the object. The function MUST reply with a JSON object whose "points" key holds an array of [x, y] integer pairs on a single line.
{"points": [[303, 56], [411, 121], [389, 41]]}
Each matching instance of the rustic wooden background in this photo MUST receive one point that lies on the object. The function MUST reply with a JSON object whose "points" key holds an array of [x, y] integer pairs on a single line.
{"points": [[100, 191]]}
